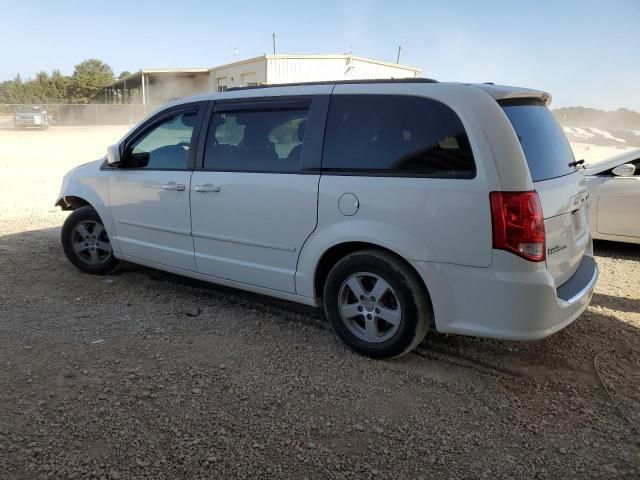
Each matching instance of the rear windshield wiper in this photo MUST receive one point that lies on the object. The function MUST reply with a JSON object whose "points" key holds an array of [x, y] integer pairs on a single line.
{"points": [[576, 163]]}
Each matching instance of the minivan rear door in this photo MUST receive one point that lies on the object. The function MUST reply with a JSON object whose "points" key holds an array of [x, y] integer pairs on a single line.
{"points": [[559, 183]]}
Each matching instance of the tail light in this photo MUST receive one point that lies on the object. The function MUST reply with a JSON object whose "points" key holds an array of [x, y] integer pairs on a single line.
{"points": [[518, 224]]}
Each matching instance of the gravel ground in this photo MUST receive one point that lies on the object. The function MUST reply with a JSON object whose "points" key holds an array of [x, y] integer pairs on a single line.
{"points": [[142, 374]]}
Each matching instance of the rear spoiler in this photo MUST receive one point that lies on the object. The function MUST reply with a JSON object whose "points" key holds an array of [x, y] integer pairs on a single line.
{"points": [[505, 94]]}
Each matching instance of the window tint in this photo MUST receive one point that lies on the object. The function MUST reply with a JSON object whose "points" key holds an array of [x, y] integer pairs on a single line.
{"points": [[269, 141], [396, 134], [166, 145], [544, 144]]}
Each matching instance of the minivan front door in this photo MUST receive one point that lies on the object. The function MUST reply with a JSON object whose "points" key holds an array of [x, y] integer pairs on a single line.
{"points": [[149, 191], [253, 205]]}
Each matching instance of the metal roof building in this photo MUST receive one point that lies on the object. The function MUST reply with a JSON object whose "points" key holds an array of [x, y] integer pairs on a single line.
{"points": [[158, 86], [155, 86]]}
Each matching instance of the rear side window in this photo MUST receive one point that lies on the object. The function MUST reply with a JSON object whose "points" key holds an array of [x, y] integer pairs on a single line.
{"points": [[262, 141], [544, 144], [396, 134]]}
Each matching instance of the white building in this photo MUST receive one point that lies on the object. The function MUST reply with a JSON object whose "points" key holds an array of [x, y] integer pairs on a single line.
{"points": [[274, 69], [158, 86]]}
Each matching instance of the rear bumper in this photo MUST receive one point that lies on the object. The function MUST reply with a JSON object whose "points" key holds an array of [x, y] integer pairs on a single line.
{"points": [[513, 299], [582, 281]]}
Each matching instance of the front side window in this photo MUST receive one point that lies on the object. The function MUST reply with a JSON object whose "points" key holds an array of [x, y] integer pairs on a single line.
{"points": [[264, 141], [166, 145], [396, 134]]}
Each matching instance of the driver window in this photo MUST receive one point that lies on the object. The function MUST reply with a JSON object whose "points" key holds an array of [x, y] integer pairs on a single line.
{"points": [[167, 145]]}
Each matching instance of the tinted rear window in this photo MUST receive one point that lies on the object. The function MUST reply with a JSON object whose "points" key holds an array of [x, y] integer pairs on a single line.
{"points": [[396, 134], [544, 144]]}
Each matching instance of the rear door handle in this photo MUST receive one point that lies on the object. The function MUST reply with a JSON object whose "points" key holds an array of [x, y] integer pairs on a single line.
{"points": [[207, 187], [173, 186]]}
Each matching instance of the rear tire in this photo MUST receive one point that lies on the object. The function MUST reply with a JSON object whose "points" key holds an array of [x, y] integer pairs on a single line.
{"points": [[386, 326], [85, 242]]}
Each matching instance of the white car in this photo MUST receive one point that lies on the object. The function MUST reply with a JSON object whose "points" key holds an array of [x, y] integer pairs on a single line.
{"points": [[399, 206], [614, 197], [31, 116]]}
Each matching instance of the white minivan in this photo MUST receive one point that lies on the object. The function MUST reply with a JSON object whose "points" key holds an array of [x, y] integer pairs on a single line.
{"points": [[398, 205]]}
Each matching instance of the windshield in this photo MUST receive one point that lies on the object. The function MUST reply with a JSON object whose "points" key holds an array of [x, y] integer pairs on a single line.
{"points": [[544, 144], [29, 109], [610, 162]]}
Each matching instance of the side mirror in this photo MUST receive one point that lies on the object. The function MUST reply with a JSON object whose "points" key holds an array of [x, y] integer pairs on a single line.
{"points": [[624, 170], [113, 155]]}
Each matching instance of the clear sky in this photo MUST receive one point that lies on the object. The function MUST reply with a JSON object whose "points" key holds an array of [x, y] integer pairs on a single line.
{"points": [[584, 52]]}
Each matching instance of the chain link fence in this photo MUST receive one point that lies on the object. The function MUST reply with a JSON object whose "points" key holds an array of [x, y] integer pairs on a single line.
{"points": [[92, 114]]}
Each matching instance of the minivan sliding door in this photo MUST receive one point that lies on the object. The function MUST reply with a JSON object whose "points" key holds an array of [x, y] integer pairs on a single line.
{"points": [[254, 199]]}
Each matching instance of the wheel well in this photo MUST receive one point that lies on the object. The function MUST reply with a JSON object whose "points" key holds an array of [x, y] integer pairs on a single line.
{"points": [[337, 252], [71, 203]]}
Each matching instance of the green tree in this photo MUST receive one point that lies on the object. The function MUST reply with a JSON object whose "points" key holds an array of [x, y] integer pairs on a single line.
{"points": [[14, 91], [126, 73], [89, 79], [60, 87], [40, 88], [87, 83]]}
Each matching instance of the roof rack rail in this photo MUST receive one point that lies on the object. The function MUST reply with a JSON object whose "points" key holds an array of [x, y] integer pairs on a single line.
{"points": [[336, 82]]}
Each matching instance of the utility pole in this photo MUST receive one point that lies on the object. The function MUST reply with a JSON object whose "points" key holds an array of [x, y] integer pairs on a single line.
{"points": [[274, 43], [399, 50]]}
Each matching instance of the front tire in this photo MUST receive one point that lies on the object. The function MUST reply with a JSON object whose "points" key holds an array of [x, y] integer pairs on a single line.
{"points": [[85, 242], [377, 304]]}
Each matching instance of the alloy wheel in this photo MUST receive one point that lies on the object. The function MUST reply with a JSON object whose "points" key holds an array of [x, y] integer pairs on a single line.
{"points": [[91, 243], [369, 307]]}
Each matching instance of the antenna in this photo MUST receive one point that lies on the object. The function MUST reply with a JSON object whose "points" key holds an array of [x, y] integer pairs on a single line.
{"points": [[399, 50], [274, 43]]}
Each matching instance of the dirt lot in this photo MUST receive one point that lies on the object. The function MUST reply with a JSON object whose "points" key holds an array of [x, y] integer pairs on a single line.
{"points": [[145, 375]]}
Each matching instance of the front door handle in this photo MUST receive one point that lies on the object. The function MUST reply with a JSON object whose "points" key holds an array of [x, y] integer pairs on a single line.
{"points": [[173, 186], [207, 187]]}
